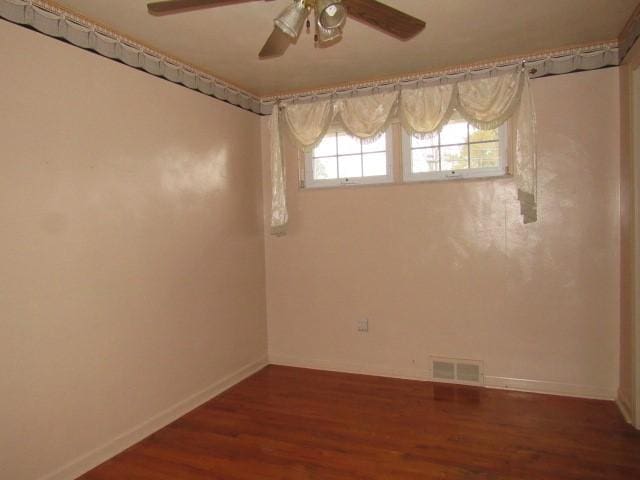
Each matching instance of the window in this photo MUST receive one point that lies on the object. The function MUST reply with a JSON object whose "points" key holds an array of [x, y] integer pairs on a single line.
{"points": [[459, 150], [341, 159]]}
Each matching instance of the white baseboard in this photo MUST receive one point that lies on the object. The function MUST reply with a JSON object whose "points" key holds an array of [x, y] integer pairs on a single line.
{"points": [[549, 388], [519, 384], [95, 457], [362, 369], [624, 404]]}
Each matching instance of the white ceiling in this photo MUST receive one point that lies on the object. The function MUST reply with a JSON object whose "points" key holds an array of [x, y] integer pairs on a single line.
{"points": [[225, 41]]}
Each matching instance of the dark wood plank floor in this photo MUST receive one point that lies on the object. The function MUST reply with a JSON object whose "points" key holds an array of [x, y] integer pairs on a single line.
{"points": [[289, 423]]}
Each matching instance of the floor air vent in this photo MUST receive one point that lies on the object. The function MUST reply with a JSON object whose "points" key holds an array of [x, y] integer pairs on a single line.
{"points": [[451, 370]]}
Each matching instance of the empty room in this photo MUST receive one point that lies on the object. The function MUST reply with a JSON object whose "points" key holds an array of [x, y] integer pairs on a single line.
{"points": [[319, 239]]}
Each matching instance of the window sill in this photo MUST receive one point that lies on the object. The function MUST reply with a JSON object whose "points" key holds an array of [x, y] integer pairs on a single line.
{"points": [[502, 176], [506, 176]]}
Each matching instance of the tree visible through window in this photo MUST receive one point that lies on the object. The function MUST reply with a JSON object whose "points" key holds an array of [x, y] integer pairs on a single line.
{"points": [[458, 149]]}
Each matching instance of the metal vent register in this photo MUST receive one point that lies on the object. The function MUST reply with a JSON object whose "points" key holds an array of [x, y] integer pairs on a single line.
{"points": [[451, 370]]}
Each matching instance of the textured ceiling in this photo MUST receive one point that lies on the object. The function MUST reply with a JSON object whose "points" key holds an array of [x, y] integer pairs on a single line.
{"points": [[225, 41]]}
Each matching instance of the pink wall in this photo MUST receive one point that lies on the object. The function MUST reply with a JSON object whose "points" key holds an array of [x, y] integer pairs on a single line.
{"points": [[449, 269], [132, 282], [628, 242]]}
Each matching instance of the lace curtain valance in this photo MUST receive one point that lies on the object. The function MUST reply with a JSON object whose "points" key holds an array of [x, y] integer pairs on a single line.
{"points": [[485, 103]]}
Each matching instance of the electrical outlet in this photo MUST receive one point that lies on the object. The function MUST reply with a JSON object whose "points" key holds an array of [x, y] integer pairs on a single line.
{"points": [[363, 325]]}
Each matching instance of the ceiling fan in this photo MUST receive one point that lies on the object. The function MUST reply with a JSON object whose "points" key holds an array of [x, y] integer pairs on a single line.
{"points": [[330, 17]]}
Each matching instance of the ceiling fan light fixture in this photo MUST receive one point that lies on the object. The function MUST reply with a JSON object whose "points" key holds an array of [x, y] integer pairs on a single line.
{"points": [[326, 35], [292, 18], [330, 14]]}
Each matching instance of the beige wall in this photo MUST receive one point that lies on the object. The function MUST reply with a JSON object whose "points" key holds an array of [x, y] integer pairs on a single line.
{"points": [[131, 250], [449, 269], [629, 212]]}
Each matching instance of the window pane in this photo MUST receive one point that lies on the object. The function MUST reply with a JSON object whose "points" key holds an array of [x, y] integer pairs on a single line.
{"points": [[374, 164], [325, 168], [327, 147], [350, 166], [454, 158], [347, 144], [485, 155], [424, 160], [454, 132], [427, 141], [380, 145], [476, 135]]}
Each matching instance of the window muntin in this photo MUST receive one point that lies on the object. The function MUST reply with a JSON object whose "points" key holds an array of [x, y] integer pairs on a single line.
{"points": [[458, 150], [341, 159]]}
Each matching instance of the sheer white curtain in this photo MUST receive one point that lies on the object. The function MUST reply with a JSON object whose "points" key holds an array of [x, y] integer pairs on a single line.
{"points": [[485, 103], [525, 165], [362, 117], [488, 103], [279, 213], [426, 110], [308, 122], [366, 117]]}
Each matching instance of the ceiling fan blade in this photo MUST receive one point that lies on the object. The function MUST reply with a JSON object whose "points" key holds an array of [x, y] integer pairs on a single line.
{"points": [[167, 7], [276, 44], [385, 18]]}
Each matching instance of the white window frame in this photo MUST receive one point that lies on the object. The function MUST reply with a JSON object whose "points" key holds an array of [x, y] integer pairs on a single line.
{"points": [[501, 170], [310, 182]]}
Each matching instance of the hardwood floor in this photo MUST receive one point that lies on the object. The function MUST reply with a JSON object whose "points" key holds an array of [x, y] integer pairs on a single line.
{"points": [[290, 423]]}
